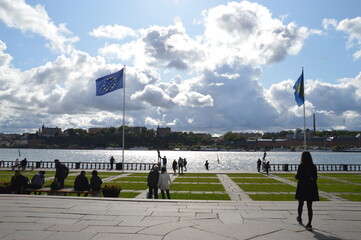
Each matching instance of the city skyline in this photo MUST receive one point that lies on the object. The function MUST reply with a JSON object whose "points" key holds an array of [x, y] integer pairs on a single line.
{"points": [[203, 66]]}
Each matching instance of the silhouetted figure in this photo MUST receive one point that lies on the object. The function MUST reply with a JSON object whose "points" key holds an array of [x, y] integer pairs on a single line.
{"points": [[207, 165], [111, 162], [152, 181], [18, 183], [61, 173], [267, 166], [174, 166], [307, 189], [81, 183], [259, 162], [95, 183]]}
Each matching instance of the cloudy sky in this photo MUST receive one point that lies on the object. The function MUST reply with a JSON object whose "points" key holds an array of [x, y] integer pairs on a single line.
{"points": [[204, 66]]}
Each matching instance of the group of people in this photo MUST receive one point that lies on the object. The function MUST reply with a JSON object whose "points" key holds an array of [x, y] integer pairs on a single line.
{"points": [[181, 165], [20, 164], [157, 181], [19, 183]]}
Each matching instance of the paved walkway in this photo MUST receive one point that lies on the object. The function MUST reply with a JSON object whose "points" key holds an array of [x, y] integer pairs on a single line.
{"points": [[53, 217]]}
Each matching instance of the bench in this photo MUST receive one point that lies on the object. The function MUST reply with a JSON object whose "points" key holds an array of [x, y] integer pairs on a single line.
{"points": [[62, 192]]}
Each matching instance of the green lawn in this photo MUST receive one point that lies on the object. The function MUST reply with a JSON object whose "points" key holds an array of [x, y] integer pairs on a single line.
{"points": [[255, 180], [198, 175], [267, 187], [131, 179], [355, 198], [231, 175], [186, 179], [340, 188], [197, 187]]}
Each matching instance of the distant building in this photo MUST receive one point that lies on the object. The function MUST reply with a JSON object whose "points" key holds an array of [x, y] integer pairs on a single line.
{"points": [[49, 132], [94, 131], [163, 131]]}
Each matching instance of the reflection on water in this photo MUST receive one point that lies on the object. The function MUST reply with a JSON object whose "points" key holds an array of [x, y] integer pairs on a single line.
{"points": [[195, 159]]}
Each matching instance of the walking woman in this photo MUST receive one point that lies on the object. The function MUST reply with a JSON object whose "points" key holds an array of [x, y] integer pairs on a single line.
{"points": [[307, 189]]}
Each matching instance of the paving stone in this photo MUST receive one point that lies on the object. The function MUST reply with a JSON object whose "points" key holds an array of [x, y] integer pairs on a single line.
{"points": [[112, 236], [28, 235], [67, 227], [72, 235]]}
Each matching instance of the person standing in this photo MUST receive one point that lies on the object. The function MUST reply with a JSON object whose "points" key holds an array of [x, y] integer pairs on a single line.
{"points": [[180, 165], [207, 165], [164, 182], [307, 189], [267, 166], [61, 173], [185, 164], [174, 166], [259, 162], [23, 164], [164, 161], [152, 181], [111, 162]]}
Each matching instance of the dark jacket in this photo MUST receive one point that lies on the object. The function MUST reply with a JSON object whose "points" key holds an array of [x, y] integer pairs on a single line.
{"points": [[81, 183], [95, 183], [61, 171], [153, 177], [307, 189], [18, 183]]}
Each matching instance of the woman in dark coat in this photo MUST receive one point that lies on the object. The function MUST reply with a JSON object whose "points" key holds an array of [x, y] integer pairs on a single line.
{"points": [[307, 189]]}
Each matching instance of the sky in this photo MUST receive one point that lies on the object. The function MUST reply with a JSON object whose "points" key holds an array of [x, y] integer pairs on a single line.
{"points": [[204, 66]]}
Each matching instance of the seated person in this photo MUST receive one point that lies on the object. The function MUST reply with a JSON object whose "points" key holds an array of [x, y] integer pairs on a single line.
{"points": [[95, 183], [18, 183], [81, 183], [38, 180]]}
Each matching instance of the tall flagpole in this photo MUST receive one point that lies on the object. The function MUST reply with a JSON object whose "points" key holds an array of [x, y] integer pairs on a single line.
{"points": [[123, 117], [304, 112]]}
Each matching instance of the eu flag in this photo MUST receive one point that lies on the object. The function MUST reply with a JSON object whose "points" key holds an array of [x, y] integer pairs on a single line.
{"points": [[109, 83], [299, 90]]}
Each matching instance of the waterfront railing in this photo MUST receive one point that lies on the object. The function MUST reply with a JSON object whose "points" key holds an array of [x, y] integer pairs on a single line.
{"points": [[320, 167], [80, 165], [148, 166]]}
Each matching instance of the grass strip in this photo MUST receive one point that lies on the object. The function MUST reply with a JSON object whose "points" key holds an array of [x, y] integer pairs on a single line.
{"points": [[267, 187], [130, 179], [340, 188], [197, 175], [231, 175], [355, 198], [197, 187], [138, 175], [255, 180], [185, 179]]}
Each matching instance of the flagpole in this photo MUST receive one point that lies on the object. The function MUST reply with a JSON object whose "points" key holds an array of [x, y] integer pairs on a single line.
{"points": [[304, 113], [123, 118]]}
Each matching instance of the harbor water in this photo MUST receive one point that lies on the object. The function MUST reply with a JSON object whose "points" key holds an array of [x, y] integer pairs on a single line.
{"points": [[218, 160]]}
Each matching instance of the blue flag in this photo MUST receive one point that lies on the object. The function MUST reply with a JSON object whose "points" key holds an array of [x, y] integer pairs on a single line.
{"points": [[299, 90], [109, 83]]}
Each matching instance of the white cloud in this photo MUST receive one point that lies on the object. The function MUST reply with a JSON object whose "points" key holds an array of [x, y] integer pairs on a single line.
{"points": [[247, 31], [352, 27], [115, 32], [18, 14]]}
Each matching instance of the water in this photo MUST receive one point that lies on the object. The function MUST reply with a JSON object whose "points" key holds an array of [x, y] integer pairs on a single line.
{"points": [[195, 159]]}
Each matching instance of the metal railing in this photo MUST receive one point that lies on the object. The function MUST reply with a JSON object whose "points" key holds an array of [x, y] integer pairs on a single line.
{"points": [[80, 165], [320, 167]]}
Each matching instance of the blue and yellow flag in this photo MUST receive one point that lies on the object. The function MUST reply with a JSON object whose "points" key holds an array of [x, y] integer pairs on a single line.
{"points": [[109, 83], [299, 90]]}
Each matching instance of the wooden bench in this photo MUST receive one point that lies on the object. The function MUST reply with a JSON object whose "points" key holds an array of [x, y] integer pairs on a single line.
{"points": [[62, 192]]}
